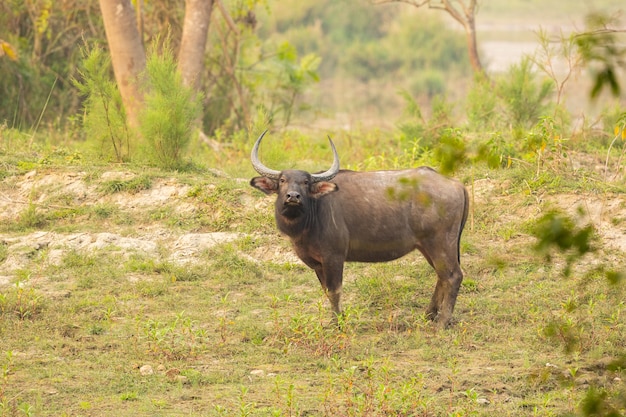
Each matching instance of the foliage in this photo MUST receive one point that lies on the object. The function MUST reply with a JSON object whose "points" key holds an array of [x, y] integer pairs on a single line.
{"points": [[482, 108], [523, 98], [104, 118], [601, 49], [558, 231], [414, 126], [244, 71], [43, 36], [545, 145], [292, 79], [515, 102], [170, 111], [247, 73], [21, 302], [370, 43]]}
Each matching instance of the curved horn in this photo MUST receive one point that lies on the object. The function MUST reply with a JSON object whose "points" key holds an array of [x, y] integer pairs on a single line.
{"points": [[258, 166], [330, 174]]}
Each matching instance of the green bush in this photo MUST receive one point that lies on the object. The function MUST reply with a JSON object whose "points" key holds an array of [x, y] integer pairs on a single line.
{"points": [[170, 112], [414, 126], [104, 118], [482, 105], [523, 97]]}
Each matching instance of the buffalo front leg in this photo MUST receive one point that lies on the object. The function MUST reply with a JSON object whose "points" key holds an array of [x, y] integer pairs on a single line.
{"points": [[331, 278]]}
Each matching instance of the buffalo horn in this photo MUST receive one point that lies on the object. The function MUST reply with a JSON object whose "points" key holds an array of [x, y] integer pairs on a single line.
{"points": [[273, 174], [258, 166], [330, 174]]}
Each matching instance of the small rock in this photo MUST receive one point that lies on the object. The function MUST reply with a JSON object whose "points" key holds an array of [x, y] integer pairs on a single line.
{"points": [[257, 372], [483, 401], [146, 370]]}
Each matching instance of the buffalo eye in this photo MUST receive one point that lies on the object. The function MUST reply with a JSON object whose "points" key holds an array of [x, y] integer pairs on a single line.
{"points": [[306, 182], [282, 180]]}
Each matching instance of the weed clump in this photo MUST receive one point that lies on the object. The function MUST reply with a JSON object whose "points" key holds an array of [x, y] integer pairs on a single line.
{"points": [[20, 302]]}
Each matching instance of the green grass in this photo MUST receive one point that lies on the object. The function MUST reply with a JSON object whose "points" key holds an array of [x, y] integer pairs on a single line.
{"points": [[240, 329]]}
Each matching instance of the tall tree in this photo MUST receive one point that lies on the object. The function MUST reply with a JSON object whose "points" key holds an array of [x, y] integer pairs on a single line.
{"points": [[127, 53], [129, 57], [463, 11], [193, 42]]}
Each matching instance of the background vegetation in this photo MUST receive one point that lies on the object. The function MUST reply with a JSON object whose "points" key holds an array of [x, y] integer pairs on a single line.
{"points": [[146, 277]]}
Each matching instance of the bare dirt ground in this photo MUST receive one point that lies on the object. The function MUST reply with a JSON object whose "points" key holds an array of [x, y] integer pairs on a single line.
{"points": [[47, 191]]}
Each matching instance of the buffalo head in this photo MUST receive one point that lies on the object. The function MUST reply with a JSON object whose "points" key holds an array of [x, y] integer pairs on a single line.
{"points": [[294, 187]]}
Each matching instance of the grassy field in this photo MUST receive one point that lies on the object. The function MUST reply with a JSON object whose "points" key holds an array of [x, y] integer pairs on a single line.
{"points": [[137, 292]]}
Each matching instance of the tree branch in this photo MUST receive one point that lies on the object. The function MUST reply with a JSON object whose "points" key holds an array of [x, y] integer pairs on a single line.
{"points": [[229, 20], [603, 31], [415, 3]]}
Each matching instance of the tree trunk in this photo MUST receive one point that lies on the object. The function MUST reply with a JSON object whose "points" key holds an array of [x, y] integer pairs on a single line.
{"points": [[193, 42], [472, 46], [127, 53]]}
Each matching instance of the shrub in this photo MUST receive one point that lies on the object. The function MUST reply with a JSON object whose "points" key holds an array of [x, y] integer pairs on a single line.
{"points": [[482, 105], [523, 97], [104, 120], [170, 112]]}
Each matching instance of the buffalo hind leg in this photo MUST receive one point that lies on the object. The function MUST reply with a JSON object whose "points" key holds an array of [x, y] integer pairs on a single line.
{"points": [[449, 278]]}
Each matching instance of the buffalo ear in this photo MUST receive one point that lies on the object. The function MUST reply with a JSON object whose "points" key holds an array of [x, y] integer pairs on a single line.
{"points": [[268, 186], [322, 188]]}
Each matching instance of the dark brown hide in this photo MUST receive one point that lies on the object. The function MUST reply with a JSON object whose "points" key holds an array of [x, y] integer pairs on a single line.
{"points": [[373, 217]]}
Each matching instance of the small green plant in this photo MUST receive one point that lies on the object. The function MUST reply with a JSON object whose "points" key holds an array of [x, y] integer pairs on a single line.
{"points": [[311, 332], [225, 321], [171, 111], [6, 370], [286, 404], [129, 396], [21, 301], [414, 126], [31, 218], [104, 118], [371, 388], [482, 105], [620, 133], [545, 144], [174, 340]]}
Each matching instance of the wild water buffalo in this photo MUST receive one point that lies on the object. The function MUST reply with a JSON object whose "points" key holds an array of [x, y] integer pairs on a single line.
{"points": [[370, 217]]}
